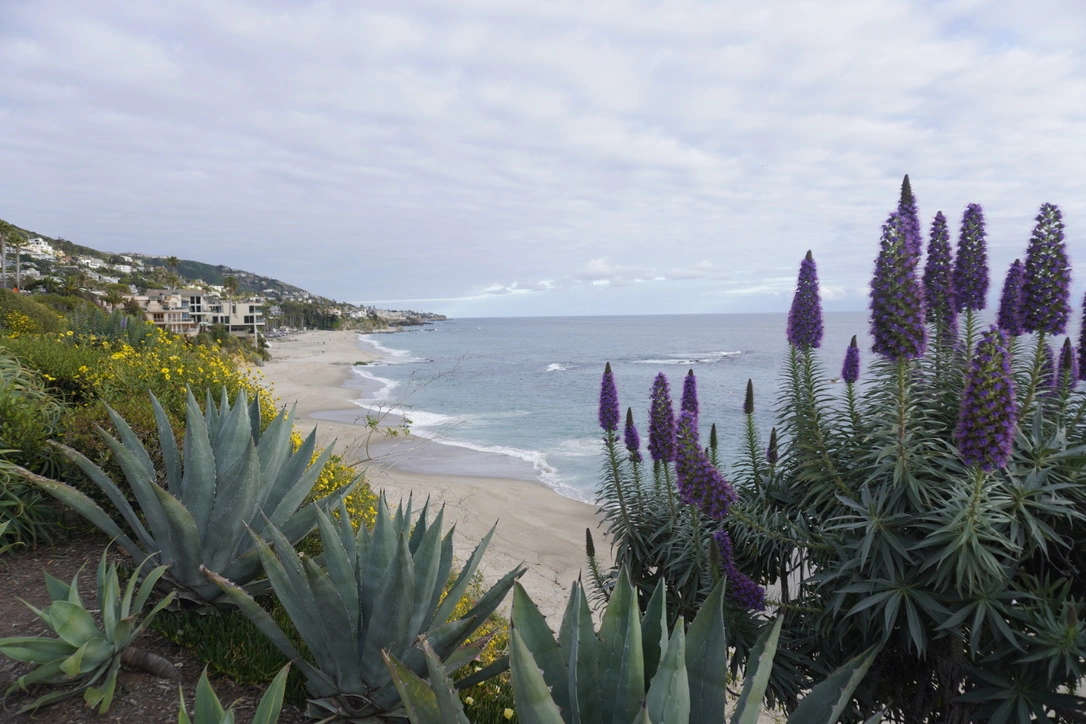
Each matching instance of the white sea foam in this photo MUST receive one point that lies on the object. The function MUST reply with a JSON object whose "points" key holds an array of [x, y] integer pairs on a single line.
{"points": [[707, 358], [391, 356], [579, 447], [556, 367], [383, 393]]}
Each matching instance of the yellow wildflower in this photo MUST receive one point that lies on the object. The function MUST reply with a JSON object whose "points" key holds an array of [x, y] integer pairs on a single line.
{"points": [[508, 713]]}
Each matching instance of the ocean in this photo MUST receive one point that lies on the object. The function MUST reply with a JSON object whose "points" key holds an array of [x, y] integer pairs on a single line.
{"points": [[518, 397]]}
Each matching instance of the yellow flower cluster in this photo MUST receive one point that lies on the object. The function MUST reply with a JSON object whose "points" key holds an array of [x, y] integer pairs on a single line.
{"points": [[16, 323], [361, 503]]}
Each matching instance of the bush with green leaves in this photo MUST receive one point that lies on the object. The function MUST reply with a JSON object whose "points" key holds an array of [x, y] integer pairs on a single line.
{"points": [[207, 709], [28, 419], [937, 507], [20, 314], [631, 670], [371, 591], [232, 479], [85, 657]]}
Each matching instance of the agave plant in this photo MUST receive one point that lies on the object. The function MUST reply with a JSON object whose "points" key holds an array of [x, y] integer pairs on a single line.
{"points": [[207, 709], [631, 670], [233, 476], [371, 592], [86, 656]]}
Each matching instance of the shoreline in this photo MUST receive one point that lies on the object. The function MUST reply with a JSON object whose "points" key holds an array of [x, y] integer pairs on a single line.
{"points": [[536, 525]]}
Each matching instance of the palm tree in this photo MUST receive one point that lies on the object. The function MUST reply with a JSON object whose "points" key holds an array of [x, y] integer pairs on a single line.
{"points": [[17, 241], [3, 258], [230, 284], [114, 296]]}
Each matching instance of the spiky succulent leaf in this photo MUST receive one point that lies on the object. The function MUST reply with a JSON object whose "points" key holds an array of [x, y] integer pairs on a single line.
{"points": [[706, 659], [756, 678], [530, 690], [669, 692], [826, 701]]}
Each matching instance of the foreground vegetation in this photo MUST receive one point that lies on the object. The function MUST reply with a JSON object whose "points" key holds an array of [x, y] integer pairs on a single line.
{"points": [[906, 547]]}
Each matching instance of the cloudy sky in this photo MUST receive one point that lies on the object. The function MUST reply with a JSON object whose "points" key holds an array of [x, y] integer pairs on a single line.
{"points": [[494, 157]]}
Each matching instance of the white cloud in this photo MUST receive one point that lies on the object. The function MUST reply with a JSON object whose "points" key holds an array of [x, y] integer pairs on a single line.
{"points": [[424, 149]]}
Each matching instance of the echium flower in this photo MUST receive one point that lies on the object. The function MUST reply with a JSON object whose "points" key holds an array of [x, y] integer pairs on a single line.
{"points": [[850, 370], [661, 422], [939, 280], [910, 219], [689, 401], [988, 414], [1011, 319], [740, 587], [608, 401], [1068, 370], [897, 299], [631, 438], [971, 263], [696, 478], [748, 398], [1046, 287], [771, 454], [805, 316]]}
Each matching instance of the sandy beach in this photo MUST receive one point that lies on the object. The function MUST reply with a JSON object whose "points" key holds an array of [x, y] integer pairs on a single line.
{"points": [[535, 525]]}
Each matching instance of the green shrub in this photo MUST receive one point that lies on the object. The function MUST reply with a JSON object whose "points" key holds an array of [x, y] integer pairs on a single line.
{"points": [[20, 315]]}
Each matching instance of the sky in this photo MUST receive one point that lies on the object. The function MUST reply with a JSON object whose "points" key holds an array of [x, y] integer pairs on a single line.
{"points": [[505, 158]]}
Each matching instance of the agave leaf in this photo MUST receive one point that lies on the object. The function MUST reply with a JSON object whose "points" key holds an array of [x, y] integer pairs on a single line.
{"points": [[133, 606], [82, 504], [622, 670], [263, 621], [756, 677], [35, 649], [274, 449], [447, 698], [654, 630], [58, 590], [199, 478], [444, 640], [234, 507], [580, 646], [463, 580], [425, 554], [87, 657], [533, 698], [109, 593], [139, 473], [102, 696], [669, 692], [419, 699], [444, 570], [272, 701], [72, 623], [341, 570], [706, 659], [232, 438], [166, 601], [826, 701], [389, 628], [206, 705], [254, 418], [294, 481], [182, 551], [537, 637], [380, 548], [338, 626], [167, 442]]}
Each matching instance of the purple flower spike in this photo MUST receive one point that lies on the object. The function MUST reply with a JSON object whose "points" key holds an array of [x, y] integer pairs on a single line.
{"points": [[696, 478], [942, 308], [689, 401], [910, 220], [897, 299], [771, 455], [988, 415], [850, 370], [608, 401], [1082, 345], [741, 589], [631, 438], [1068, 371], [1046, 288], [971, 265], [805, 317], [748, 399], [1010, 317], [661, 422]]}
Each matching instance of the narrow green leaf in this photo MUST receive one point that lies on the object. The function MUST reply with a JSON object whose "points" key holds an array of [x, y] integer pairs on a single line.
{"points": [[756, 676], [206, 707], [668, 697], [829, 698], [537, 636], [533, 699], [419, 700], [272, 701], [622, 672], [706, 659]]}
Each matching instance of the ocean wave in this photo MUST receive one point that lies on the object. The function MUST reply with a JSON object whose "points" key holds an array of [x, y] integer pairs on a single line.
{"points": [[391, 356], [556, 367], [382, 394], [707, 358], [582, 447]]}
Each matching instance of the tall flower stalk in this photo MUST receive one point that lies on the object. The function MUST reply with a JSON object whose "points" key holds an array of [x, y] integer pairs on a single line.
{"points": [[940, 305], [805, 316], [971, 269], [897, 299], [987, 416], [1011, 319]]}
